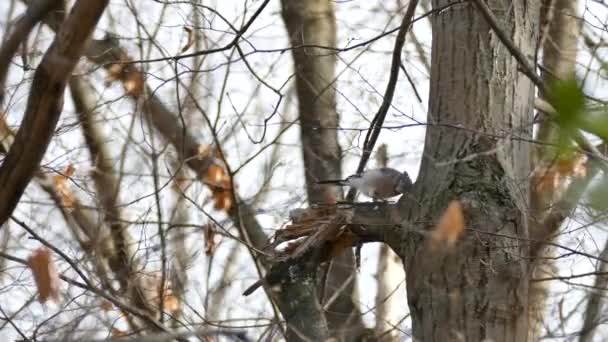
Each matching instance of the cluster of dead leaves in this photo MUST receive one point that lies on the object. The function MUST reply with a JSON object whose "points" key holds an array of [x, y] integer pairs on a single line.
{"points": [[132, 79], [62, 188], [45, 274], [217, 178]]}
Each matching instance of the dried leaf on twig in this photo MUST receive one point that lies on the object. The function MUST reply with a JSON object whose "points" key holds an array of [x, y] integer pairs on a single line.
{"points": [[62, 188], [190, 40], [210, 239], [44, 273]]}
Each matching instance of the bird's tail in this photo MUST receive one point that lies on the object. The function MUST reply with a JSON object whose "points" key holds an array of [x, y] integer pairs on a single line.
{"points": [[251, 289], [333, 181]]}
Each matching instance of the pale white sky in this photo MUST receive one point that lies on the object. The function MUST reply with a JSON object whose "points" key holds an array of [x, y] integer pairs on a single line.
{"points": [[360, 85]]}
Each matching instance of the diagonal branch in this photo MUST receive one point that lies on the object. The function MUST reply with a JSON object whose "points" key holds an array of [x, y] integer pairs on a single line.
{"points": [[45, 103], [34, 14]]}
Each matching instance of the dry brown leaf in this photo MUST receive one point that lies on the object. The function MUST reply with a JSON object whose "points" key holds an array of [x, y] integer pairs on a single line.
{"points": [[190, 40], [222, 200], [44, 273], [63, 191], [215, 175], [106, 306], [546, 180], [133, 83], [549, 178], [62, 188], [118, 333], [152, 291], [343, 242], [449, 227], [203, 151], [114, 72], [574, 166], [69, 170], [210, 242], [171, 303]]}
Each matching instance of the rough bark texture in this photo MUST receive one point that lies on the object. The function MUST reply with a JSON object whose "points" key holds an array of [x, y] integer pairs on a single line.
{"points": [[390, 278], [313, 23], [480, 106], [45, 103]]}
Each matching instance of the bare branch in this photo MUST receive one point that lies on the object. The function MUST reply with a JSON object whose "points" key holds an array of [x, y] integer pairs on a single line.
{"points": [[34, 14], [45, 103]]}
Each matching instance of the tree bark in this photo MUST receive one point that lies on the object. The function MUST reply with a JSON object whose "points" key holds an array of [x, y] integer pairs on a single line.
{"points": [[313, 23], [475, 151], [389, 279], [559, 43]]}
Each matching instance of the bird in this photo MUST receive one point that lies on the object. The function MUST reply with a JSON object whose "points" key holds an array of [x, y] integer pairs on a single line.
{"points": [[381, 183]]}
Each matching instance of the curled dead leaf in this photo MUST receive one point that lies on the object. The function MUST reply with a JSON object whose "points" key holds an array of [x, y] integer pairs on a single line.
{"points": [[63, 191], [114, 72], [133, 83], [44, 273], [215, 175], [222, 200], [69, 170], [190, 40], [203, 151], [118, 333], [449, 227], [210, 239], [106, 306], [152, 287]]}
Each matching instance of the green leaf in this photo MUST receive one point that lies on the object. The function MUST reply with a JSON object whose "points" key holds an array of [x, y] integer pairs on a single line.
{"points": [[568, 99]]}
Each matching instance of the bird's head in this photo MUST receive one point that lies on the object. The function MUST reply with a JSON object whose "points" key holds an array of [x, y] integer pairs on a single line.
{"points": [[404, 184]]}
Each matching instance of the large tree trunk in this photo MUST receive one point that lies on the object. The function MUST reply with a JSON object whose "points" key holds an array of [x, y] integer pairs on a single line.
{"points": [[313, 23], [481, 111]]}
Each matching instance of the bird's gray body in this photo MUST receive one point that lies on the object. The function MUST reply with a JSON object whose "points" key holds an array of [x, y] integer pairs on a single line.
{"points": [[379, 183]]}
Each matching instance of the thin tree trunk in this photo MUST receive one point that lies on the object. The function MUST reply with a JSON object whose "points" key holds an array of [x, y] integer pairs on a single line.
{"points": [[390, 280], [313, 23], [478, 289], [561, 32]]}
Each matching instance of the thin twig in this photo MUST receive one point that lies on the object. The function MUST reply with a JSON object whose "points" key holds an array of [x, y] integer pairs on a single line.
{"points": [[376, 125]]}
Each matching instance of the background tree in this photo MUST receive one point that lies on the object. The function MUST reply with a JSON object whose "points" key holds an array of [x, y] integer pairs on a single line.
{"points": [[187, 135]]}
